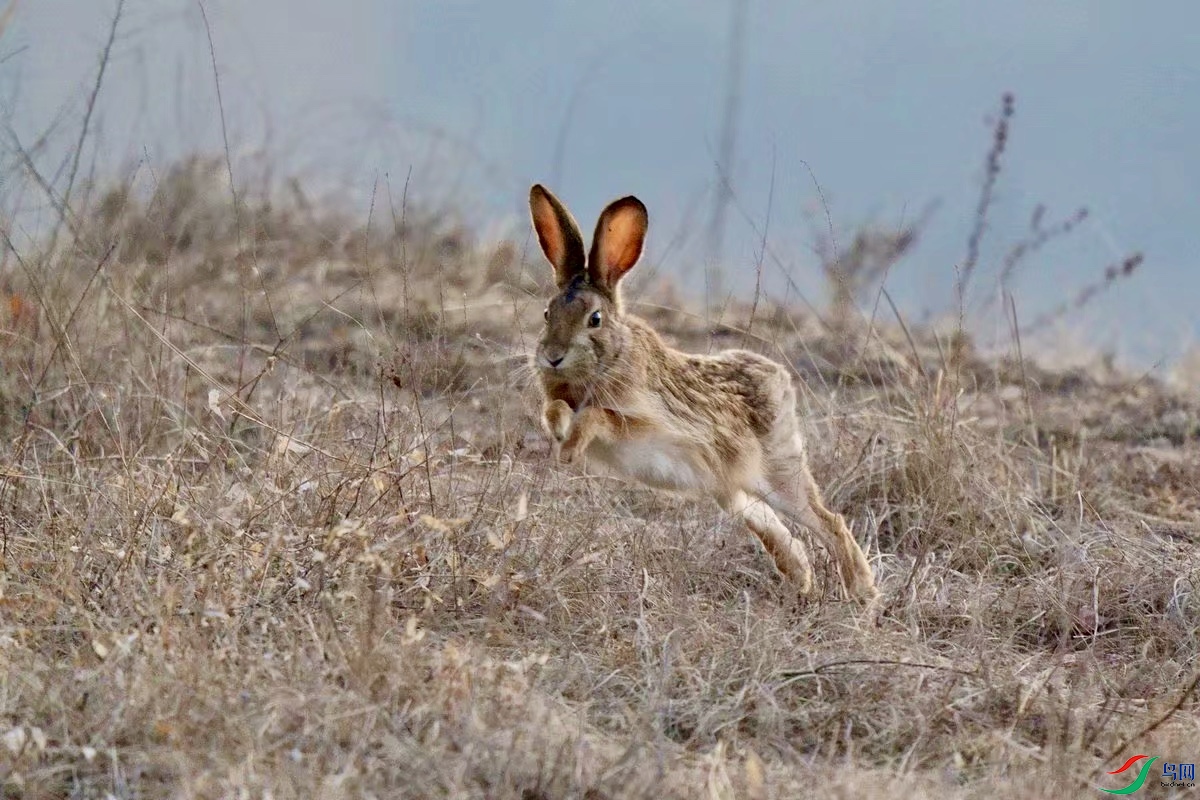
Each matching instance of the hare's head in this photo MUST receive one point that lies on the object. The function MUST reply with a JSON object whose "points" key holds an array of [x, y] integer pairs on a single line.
{"points": [[585, 328]]}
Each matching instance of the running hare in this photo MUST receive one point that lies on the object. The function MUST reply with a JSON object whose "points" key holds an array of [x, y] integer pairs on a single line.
{"points": [[723, 425]]}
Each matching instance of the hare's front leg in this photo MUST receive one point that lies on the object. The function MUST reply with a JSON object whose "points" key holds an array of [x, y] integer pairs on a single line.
{"points": [[556, 419], [589, 423]]}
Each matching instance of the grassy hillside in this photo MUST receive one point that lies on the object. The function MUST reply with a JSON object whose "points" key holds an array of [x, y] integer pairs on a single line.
{"points": [[277, 521]]}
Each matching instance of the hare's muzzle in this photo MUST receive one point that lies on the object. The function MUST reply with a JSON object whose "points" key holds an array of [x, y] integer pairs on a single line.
{"points": [[551, 359]]}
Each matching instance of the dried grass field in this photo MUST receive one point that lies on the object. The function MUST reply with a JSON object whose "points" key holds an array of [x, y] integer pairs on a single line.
{"points": [[278, 521]]}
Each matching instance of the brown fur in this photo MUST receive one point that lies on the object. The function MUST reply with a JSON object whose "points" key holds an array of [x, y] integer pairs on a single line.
{"points": [[723, 425]]}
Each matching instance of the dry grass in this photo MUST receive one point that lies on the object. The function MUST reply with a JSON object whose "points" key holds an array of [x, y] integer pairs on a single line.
{"points": [[277, 521]]}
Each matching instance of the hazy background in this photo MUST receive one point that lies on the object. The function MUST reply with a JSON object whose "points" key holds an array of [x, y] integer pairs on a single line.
{"points": [[888, 104]]}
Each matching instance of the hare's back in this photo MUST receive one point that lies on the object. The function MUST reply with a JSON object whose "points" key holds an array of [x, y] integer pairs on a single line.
{"points": [[745, 383]]}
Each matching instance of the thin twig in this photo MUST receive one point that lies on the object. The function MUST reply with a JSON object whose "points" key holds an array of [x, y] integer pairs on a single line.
{"points": [[791, 676], [1157, 722], [1016, 333], [212, 53], [837, 271], [726, 148], [237, 208], [907, 335], [986, 193], [65, 215], [762, 250], [87, 118]]}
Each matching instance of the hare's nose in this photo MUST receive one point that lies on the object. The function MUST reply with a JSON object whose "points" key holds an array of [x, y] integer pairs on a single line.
{"points": [[554, 362]]}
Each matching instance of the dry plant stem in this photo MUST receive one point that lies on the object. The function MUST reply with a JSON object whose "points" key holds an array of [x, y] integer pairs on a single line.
{"points": [[1026, 394], [237, 217], [991, 173], [1027, 247], [790, 675], [1185, 694], [1112, 274], [762, 251], [727, 149], [77, 152], [65, 214]]}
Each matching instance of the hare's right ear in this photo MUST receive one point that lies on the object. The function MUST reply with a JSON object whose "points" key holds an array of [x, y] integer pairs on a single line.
{"points": [[618, 242], [558, 234]]}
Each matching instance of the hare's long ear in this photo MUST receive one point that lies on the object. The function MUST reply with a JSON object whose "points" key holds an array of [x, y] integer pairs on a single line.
{"points": [[617, 244], [558, 234]]}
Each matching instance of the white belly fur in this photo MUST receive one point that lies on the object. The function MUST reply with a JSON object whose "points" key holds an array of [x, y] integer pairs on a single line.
{"points": [[657, 462]]}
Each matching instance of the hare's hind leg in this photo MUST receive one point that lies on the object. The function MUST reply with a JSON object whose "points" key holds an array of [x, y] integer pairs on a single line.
{"points": [[785, 550], [800, 495]]}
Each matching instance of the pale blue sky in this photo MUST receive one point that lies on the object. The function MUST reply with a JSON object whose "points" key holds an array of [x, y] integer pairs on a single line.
{"points": [[886, 102]]}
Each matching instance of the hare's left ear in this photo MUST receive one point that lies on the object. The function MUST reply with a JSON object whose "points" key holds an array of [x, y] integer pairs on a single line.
{"points": [[557, 233], [617, 243]]}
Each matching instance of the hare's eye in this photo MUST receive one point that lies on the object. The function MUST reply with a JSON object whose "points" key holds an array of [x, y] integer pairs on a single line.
{"points": [[546, 314], [594, 320]]}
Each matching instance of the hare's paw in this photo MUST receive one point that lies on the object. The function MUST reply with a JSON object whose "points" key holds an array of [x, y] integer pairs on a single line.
{"points": [[864, 590], [585, 426], [793, 563], [557, 419], [582, 433], [570, 451]]}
